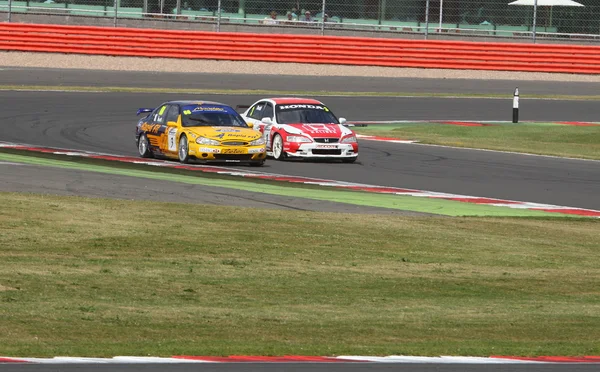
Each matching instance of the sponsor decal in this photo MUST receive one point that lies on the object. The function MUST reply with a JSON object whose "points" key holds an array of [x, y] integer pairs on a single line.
{"points": [[326, 146], [319, 128], [256, 151], [172, 139], [220, 135], [152, 128], [209, 109], [241, 135], [294, 107], [209, 150], [227, 130], [234, 151]]}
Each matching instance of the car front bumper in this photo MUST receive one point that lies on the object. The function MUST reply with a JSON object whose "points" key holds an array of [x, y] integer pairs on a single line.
{"points": [[320, 150]]}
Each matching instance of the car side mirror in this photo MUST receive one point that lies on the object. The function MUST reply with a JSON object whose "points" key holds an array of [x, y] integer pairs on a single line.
{"points": [[250, 125], [267, 121], [342, 121]]}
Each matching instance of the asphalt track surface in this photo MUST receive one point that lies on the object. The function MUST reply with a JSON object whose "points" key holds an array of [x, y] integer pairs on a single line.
{"points": [[77, 77]]}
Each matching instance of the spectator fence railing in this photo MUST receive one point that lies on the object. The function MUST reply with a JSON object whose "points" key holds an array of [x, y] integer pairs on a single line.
{"points": [[411, 18]]}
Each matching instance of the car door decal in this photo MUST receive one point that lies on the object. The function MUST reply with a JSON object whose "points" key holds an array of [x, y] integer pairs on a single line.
{"points": [[172, 139], [267, 135]]}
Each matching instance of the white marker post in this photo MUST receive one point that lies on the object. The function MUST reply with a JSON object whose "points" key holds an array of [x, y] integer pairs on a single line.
{"points": [[426, 20], [219, 16], [441, 15], [516, 106]]}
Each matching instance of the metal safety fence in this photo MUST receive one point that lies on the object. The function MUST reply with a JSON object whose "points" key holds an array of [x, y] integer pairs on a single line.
{"points": [[517, 19]]}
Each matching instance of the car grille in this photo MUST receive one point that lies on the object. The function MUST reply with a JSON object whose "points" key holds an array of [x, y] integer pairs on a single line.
{"points": [[237, 143], [233, 156], [326, 140], [327, 152]]}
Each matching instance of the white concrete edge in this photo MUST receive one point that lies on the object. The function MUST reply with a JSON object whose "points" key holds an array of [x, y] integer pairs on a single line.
{"points": [[438, 360], [343, 358]]}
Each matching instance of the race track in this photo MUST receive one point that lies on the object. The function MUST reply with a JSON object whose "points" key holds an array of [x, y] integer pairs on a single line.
{"points": [[104, 122]]}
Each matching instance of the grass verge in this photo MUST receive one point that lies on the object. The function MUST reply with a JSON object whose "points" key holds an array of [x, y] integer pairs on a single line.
{"points": [[533, 138], [390, 201], [95, 277]]}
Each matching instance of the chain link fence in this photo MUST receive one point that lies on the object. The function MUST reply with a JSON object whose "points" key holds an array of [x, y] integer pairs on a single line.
{"points": [[411, 18]]}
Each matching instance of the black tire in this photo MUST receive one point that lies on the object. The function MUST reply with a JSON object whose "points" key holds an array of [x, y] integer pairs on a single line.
{"points": [[183, 150], [259, 163], [349, 160], [144, 146], [278, 154]]}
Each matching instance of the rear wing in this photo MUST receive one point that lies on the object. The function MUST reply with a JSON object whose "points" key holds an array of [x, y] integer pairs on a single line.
{"points": [[241, 108], [144, 110]]}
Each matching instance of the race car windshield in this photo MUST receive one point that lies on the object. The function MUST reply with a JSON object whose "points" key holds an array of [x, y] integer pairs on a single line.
{"points": [[211, 116], [291, 114]]}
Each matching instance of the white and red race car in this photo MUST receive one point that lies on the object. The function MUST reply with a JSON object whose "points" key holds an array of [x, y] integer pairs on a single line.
{"points": [[302, 128]]}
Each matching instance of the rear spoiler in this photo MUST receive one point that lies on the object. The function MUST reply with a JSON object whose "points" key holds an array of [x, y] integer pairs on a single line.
{"points": [[241, 108], [144, 110]]}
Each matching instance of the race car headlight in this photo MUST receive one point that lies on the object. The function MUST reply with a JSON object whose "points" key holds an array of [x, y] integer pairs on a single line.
{"points": [[207, 141], [298, 139], [258, 142], [349, 139]]}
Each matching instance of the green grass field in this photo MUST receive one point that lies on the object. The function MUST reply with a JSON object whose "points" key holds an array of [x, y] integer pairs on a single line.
{"points": [[533, 138], [95, 277]]}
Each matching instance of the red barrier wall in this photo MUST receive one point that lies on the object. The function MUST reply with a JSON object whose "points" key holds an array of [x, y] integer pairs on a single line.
{"points": [[300, 48]]}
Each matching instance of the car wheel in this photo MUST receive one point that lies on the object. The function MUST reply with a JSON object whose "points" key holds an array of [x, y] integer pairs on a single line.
{"points": [[278, 152], [350, 160], [183, 150], [144, 146]]}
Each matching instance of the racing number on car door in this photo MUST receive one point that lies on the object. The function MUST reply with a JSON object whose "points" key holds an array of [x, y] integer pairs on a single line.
{"points": [[266, 129], [171, 118], [172, 139]]}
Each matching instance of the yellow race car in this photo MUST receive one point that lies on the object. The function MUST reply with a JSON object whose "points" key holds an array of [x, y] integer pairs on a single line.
{"points": [[205, 131]]}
